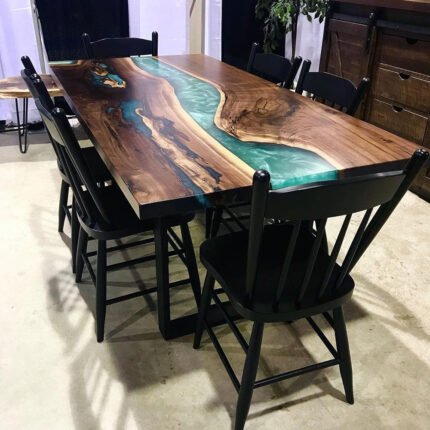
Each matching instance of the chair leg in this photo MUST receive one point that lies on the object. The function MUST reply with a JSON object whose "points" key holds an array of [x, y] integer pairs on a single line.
{"points": [[216, 221], [101, 289], [74, 234], [208, 222], [191, 262], [203, 309], [249, 375], [64, 195], [162, 271], [344, 355], [81, 249]]}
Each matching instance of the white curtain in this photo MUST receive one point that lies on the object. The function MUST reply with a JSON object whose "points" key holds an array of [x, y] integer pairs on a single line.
{"points": [[17, 38], [309, 41], [213, 28], [309, 35], [168, 17]]}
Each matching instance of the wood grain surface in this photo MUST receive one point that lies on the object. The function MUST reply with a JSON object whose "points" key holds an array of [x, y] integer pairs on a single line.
{"points": [[179, 132], [15, 88]]}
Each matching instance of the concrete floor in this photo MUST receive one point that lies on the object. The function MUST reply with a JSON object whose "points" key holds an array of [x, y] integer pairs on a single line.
{"points": [[55, 376]]}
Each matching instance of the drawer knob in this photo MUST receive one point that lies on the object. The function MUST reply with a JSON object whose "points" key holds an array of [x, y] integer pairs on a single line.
{"points": [[397, 108], [404, 76]]}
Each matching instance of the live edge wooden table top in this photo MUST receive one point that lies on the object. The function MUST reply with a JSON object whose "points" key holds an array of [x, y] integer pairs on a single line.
{"points": [[183, 132], [15, 87]]}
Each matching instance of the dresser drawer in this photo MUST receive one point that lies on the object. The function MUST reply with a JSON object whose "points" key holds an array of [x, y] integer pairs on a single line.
{"points": [[406, 53], [403, 88], [398, 120]]}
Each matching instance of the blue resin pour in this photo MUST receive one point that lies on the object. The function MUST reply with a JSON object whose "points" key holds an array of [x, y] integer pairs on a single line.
{"points": [[287, 166]]}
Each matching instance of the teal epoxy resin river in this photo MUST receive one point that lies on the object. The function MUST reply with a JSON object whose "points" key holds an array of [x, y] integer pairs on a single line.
{"points": [[287, 166]]}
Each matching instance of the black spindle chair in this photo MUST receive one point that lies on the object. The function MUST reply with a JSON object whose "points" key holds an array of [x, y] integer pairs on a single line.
{"points": [[29, 76], [99, 171], [273, 67], [104, 214], [332, 90], [284, 272], [120, 46], [59, 101]]}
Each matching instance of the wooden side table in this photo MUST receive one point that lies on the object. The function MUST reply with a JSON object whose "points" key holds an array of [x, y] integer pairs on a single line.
{"points": [[15, 88]]}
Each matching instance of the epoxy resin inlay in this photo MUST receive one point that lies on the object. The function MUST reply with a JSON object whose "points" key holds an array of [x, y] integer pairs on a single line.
{"points": [[287, 166]]}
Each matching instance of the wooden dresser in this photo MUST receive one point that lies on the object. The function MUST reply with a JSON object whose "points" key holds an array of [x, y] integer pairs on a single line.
{"points": [[388, 41]]}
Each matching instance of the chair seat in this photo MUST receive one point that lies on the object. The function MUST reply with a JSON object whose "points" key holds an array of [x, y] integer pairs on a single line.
{"points": [[123, 218], [225, 258]]}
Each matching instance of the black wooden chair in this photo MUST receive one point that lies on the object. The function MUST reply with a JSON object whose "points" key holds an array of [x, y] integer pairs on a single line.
{"points": [[59, 101], [273, 67], [120, 46], [63, 207], [99, 171], [104, 214], [332, 90], [284, 272]]}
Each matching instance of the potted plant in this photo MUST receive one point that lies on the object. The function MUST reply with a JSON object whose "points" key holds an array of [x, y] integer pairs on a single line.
{"points": [[281, 17]]}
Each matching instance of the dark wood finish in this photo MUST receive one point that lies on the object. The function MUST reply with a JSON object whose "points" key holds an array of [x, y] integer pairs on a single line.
{"points": [[120, 46], [397, 59], [288, 118], [284, 272], [160, 173]]}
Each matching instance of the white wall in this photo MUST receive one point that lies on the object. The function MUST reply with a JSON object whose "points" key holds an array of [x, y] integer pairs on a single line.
{"points": [[168, 17]]}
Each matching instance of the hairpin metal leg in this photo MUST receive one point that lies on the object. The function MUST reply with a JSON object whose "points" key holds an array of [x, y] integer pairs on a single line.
{"points": [[22, 128]]}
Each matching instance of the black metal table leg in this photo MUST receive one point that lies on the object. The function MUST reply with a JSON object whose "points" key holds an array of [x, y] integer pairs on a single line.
{"points": [[162, 271], [22, 128], [173, 328]]}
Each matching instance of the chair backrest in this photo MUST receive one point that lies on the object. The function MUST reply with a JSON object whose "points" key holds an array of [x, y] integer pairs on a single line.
{"points": [[120, 46], [28, 64], [378, 193], [40, 92], [273, 67], [77, 170], [332, 90], [37, 88]]}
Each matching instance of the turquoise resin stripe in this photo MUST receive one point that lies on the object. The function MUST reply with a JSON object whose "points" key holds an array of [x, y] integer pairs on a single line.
{"points": [[287, 166]]}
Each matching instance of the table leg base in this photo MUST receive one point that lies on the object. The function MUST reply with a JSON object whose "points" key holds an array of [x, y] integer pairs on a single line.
{"points": [[186, 325]]}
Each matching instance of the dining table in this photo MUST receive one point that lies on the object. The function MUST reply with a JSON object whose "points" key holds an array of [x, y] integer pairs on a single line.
{"points": [[14, 87], [183, 133]]}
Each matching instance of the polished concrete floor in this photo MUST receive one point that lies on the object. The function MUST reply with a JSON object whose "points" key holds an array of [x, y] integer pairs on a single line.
{"points": [[53, 374]]}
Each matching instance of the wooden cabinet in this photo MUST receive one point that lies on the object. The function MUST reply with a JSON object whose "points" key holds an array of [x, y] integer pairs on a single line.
{"points": [[388, 41], [347, 52], [399, 120]]}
